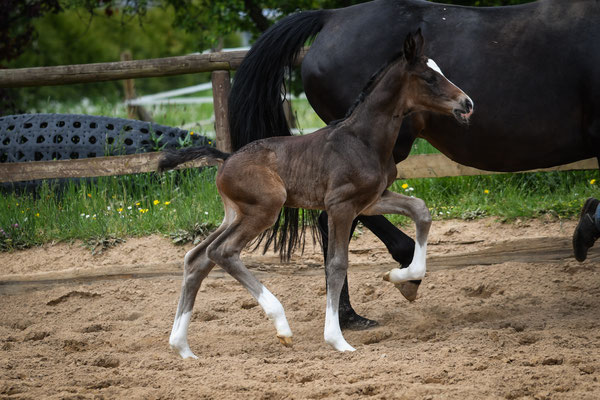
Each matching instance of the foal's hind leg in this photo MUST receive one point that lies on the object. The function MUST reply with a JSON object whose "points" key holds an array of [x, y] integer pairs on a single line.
{"points": [[197, 265], [394, 203], [225, 251]]}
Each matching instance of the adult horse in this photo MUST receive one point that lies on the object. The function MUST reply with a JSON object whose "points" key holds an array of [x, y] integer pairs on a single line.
{"points": [[532, 69]]}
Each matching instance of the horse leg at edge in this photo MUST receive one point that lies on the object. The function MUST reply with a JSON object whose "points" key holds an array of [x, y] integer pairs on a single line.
{"points": [[349, 319], [400, 245], [394, 203], [196, 267]]}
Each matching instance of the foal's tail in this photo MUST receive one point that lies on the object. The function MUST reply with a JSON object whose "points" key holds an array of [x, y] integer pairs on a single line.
{"points": [[172, 158], [255, 102]]}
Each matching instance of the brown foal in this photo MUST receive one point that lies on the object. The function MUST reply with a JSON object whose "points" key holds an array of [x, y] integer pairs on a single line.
{"points": [[344, 168]]}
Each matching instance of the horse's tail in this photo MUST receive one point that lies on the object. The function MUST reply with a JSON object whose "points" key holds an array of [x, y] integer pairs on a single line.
{"points": [[172, 158], [255, 104]]}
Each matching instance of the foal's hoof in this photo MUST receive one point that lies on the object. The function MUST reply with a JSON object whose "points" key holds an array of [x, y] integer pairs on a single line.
{"points": [[286, 341], [408, 289]]}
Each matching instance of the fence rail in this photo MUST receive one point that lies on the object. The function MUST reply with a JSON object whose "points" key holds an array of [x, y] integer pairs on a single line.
{"points": [[113, 71], [416, 166]]}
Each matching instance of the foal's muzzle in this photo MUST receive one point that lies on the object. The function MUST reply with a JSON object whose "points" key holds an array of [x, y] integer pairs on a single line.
{"points": [[463, 114]]}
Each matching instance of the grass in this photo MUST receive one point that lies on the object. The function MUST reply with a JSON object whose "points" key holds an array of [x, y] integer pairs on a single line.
{"points": [[176, 203], [185, 204], [507, 196]]}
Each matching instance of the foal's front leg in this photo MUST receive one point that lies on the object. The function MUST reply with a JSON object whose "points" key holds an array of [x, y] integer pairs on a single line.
{"points": [[394, 203], [340, 225]]}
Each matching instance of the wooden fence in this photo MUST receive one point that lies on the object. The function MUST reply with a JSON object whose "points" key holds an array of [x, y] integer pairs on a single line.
{"points": [[220, 64]]}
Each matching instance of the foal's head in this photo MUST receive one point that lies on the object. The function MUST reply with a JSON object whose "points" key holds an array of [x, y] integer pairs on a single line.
{"points": [[427, 87]]}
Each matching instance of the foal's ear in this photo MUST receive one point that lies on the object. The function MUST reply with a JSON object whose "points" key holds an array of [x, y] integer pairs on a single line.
{"points": [[413, 46]]}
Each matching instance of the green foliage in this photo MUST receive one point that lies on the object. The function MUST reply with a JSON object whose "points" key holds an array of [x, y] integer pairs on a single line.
{"points": [[72, 37]]}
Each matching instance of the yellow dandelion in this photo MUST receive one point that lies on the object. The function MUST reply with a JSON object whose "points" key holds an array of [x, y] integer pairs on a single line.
{"points": [[592, 181], [137, 204], [120, 209], [167, 203], [405, 186], [156, 202], [486, 191], [37, 214], [192, 133]]}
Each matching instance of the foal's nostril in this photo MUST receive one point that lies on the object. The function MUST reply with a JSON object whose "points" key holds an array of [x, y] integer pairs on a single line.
{"points": [[468, 105]]}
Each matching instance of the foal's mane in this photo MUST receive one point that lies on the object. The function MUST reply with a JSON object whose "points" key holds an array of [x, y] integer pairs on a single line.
{"points": [[369, 86]]}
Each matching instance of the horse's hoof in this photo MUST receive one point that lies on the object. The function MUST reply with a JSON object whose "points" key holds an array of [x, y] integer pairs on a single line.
{"points": [[408, 289], [386, 276], [355, 322], [286, 341]]}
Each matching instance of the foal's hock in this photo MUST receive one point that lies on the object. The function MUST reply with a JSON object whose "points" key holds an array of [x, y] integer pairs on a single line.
{"points": [[317, 171]]}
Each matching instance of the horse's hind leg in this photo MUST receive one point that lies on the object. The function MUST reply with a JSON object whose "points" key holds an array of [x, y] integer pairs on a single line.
{"points": [[394, 203], [225, 251], [197, 265]]}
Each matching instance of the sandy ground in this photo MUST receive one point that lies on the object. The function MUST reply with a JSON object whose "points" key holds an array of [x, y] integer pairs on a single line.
{"points": [[514, 329]]}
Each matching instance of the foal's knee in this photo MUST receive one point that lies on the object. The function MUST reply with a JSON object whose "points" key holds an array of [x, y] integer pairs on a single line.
{"points": [[422, 214]]}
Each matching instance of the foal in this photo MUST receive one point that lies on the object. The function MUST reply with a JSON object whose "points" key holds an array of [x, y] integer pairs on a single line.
{"points": [[343, 168]]}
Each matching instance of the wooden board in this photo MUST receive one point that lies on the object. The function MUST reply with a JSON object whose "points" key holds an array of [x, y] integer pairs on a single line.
{"points": [[417, 166], [101, 72], [438, 165], [85, 168]]}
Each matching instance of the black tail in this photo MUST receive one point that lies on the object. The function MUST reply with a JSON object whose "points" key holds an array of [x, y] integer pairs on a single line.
{"points": [[172, 158], [255, 104]]}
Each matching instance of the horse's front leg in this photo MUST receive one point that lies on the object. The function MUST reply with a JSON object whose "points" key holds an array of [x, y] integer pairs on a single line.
{"points": [[349, 319], [394, 203], [339, 227]]}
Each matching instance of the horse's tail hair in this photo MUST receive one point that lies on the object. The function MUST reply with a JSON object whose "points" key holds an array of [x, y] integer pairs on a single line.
{"points": [[255, 103], [172, 158], [289, 232]]}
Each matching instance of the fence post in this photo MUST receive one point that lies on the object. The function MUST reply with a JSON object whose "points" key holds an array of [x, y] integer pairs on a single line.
{"points": [[221, 85], [133, 112]]}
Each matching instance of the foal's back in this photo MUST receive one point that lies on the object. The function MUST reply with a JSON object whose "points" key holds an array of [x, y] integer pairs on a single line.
{"points": [[305, 168]]}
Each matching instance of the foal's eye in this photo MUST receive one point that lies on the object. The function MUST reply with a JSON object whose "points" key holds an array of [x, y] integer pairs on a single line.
{"points": [[430, 78]]}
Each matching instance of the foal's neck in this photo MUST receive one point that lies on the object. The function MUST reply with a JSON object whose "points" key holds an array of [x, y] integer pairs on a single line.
{"points": [[378, 118]]}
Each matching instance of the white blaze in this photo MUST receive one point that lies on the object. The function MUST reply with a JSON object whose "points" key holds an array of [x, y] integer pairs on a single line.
{"points": [[432, 64]]}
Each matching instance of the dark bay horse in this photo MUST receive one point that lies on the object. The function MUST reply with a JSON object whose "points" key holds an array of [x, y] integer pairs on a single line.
{"points": [[316, 172], [533, 69]]}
